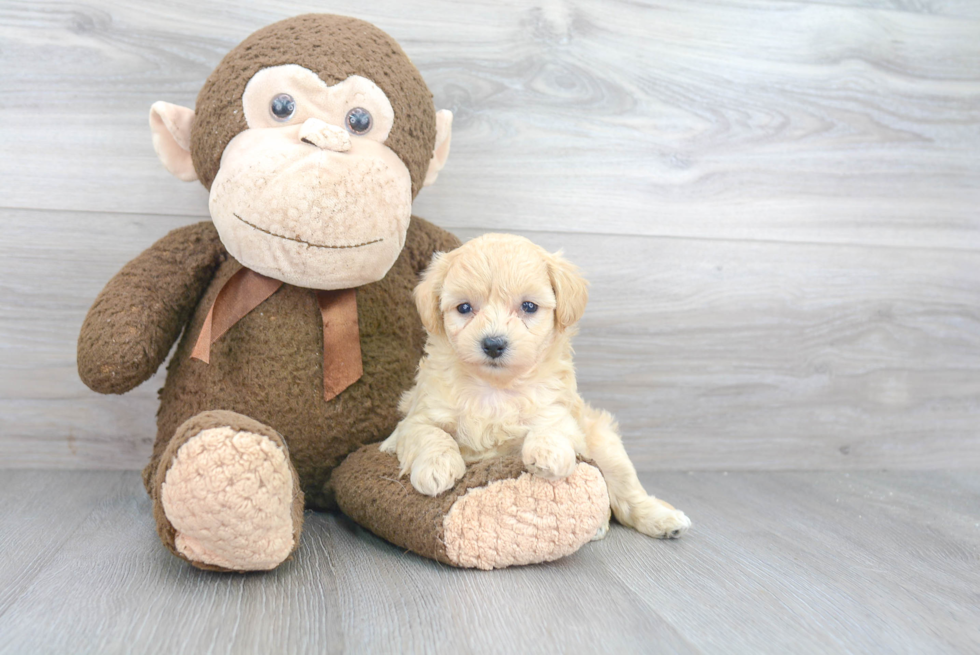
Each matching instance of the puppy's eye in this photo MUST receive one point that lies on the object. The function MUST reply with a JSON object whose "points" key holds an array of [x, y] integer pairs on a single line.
{"points": [[529, 307], [464, 308]]}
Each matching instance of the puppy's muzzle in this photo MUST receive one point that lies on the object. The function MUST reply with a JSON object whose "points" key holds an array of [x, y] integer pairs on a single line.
{"points": [[494, 347]]}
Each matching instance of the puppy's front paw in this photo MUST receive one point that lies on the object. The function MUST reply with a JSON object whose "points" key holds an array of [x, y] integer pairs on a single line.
{"points": [[551, 460], [434, 474], [660, 520]]}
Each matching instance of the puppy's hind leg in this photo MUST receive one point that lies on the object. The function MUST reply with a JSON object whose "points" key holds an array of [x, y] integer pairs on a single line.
{"points": [[631, 505]]}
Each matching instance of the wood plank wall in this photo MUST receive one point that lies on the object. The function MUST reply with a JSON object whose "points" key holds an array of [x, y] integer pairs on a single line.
{"points": [[776, 202]]}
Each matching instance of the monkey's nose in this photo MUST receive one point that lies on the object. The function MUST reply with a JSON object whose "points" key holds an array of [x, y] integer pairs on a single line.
{"points": [[324, 135], [494, 346]]}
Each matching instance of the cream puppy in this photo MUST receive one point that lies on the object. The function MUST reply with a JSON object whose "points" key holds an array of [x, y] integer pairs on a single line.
{"points": [[497, 378]]}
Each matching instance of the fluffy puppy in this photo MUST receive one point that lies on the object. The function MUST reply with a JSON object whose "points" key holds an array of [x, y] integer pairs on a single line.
{"points": [[497, 378]]}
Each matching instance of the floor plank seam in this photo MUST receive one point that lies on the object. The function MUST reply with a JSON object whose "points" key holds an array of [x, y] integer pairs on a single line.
{"points": [[24, 585], [582, 233]]}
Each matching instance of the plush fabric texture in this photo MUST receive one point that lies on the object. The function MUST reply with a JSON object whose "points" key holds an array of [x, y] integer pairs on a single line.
{"points": [[511, 516], [228, 494], [141, 311], [335, 47], [244, 291], [312, 94], [526, 520], [255, 414], [444, 124], [308, 216], [324, 135], [171, 126], [215, 468], [269, 365]]}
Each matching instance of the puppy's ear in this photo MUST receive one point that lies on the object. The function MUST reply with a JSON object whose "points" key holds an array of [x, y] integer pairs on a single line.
{"points": [[571, 290], [428, 293]]}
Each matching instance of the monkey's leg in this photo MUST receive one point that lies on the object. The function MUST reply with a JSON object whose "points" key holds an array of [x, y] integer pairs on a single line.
{"points": [[497, 515], [226, 496]]}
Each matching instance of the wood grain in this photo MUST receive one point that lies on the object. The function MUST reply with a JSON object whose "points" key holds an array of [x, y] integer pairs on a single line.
{"points": [[776, 562], [781, 121], [776, 203], [35, 525], [712, 354]]}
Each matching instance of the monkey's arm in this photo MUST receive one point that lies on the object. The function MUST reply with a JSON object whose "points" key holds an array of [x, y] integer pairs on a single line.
{"points": [[141, 311]]}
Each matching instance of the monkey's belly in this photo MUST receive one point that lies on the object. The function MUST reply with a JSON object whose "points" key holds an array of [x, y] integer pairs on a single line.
{"points": [[269, 366]]}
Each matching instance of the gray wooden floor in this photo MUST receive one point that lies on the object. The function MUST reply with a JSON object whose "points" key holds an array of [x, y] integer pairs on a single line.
{"points": [[811, 562]]}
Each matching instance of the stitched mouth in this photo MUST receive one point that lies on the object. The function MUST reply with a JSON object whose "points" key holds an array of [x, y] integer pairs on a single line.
{"points": [[312, 245]]}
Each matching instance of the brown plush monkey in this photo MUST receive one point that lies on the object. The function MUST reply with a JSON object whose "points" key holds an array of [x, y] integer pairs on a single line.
{"points": [[294, 311]]}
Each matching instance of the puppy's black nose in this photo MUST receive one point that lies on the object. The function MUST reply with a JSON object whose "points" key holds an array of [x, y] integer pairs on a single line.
{"points": [[494, 346]]}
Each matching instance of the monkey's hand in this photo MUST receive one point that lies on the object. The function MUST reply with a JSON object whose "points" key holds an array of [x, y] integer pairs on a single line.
{"points": [[141, 311]]}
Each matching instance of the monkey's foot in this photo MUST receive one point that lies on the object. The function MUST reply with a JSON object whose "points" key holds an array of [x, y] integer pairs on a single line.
{"points": [[497, 515], [227, 496]]}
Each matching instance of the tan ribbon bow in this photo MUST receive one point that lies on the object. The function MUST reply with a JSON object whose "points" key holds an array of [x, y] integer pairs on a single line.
{"points": [[246, 290]]}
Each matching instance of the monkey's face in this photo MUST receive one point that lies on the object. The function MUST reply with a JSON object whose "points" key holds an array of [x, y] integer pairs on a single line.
{"points": [[310, 194]]}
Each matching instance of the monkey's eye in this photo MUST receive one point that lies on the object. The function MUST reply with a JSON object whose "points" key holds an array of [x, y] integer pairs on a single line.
{"points": [[358, 121], [529, 307], [465, 308], [282, 107]]}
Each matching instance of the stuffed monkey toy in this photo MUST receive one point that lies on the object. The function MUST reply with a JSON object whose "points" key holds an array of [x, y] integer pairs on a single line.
{"points": [[294, 313]]}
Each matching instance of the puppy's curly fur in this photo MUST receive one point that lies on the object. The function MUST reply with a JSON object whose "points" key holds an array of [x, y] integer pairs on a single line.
{"points": [[497, 378]]}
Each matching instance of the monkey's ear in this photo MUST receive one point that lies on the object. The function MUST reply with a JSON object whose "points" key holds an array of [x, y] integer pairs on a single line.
{"points": [[171, 125], [571, 290], [428, 293], [444, 133]]}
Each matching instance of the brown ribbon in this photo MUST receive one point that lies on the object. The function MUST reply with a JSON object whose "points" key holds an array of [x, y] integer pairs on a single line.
{"points": [[243, 292], [342, 364], [246, 290]]}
